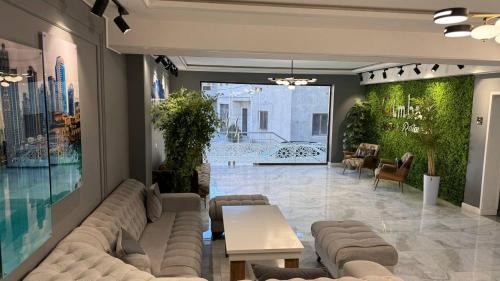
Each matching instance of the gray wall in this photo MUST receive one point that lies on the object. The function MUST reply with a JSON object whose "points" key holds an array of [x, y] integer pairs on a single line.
{"points": [[347, 88], [102, 83], [146, 150], [484, 85]]}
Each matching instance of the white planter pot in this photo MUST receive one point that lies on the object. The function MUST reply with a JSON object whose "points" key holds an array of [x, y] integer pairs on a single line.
{"points": [[431, 189]]}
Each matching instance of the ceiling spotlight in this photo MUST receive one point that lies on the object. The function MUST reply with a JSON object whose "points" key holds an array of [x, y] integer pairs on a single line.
{"points": [[122, 25], [460, 30], [417, 71], [451, 15], [384, 74], [460, 66], [360, 77], [159, 58], [99, 7], [435, 67], [484, 32], [4, 84], [401, 71], [372, 75]]}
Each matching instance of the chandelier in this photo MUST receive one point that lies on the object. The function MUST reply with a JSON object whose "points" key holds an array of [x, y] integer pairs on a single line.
{"points": [[6, 79], [490, 29], [292, 82]]}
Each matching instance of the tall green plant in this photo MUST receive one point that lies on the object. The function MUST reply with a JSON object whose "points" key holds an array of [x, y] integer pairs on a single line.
{"points": [[357, 121], [428, 132], [187, 120]]}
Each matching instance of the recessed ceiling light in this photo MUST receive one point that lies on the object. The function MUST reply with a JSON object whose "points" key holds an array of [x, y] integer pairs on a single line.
{"points": [[484, 32], [455, 31], [451, 15]]}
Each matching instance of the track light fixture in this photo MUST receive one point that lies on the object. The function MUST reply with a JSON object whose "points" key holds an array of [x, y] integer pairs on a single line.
{"points": [[435, 67], [401, 71], [119, 21], [372, 75], [159, 58], [99, 7], [417, 71], [384, 74], [460, 66], [167, 64], [360, 77]]}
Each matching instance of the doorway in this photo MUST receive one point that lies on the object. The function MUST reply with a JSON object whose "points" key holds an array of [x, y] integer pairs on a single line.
{"points": [[490, 191], [244, 120]]}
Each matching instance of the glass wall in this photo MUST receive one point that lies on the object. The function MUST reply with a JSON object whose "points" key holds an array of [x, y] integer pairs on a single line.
{"points": [[25, 217], [269, 124]]}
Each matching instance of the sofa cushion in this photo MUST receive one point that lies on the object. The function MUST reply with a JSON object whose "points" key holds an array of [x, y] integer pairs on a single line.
{"points": [[361, 269], [153, 203], [126, 245], [184, 247], [264, 272], [78, 261], [154, 240], [125, 207]]}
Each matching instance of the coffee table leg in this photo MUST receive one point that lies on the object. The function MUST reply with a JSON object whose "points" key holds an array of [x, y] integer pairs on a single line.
{"points": [[237, 270], [292, 263]]}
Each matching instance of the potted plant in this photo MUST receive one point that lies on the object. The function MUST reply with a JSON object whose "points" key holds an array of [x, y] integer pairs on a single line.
{"points": [[427, 136], [356, 122], [187, 120]]}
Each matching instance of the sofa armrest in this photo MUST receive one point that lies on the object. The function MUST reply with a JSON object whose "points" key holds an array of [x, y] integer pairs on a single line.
{"points": [[180, 202]]}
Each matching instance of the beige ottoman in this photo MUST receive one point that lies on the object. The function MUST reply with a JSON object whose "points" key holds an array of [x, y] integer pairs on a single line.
{"points": [[215, 208], [338, 242]]}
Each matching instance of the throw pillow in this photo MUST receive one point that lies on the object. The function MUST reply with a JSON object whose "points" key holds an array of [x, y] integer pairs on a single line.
{"points": [[131, 252], [153, 203], [264, 272]]}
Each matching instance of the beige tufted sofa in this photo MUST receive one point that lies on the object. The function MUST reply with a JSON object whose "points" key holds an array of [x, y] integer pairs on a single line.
{"points": [[173, 243]]}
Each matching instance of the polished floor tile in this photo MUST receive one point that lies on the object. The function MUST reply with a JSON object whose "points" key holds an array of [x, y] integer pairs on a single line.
{"points": [[434, 242]]}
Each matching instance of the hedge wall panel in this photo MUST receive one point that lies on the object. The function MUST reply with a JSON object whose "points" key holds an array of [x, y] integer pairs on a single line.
{"points": [[453, 101]]}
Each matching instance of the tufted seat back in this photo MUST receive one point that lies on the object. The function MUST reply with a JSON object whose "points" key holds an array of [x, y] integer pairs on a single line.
{"points": [[125, 207]]}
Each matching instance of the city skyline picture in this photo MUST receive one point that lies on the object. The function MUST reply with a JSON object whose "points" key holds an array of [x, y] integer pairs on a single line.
{"points": [[63, 114], [25, 198]]}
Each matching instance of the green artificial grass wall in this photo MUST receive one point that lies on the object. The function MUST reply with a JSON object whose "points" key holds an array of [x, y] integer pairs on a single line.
{"points": [[453, 103]]}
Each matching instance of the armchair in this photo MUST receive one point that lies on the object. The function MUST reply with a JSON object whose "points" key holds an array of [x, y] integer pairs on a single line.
{"points": [[389, 170], [366, 156]]}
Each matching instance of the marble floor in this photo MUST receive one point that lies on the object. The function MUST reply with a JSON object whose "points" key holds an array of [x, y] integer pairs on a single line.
{"points": [[434, 242]]}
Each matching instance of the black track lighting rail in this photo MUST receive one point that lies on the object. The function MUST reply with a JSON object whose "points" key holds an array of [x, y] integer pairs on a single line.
{"points": [[416, 69]]}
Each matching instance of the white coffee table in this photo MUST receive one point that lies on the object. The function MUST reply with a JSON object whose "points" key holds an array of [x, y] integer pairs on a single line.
{"points": [[258, 233]]}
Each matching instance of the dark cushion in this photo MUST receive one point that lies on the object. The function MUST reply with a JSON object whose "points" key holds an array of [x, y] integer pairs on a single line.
{"points": [[264, 272]]}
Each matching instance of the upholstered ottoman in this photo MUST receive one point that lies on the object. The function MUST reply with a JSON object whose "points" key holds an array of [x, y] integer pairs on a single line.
{"points": [[215, 208], [338, 242]]}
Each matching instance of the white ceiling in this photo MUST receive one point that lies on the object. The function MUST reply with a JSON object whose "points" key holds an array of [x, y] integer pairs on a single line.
{"points": [[325, 33], [265, 65]]}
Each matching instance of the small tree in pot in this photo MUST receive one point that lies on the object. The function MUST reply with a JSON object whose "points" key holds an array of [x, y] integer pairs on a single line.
{"points": [[427, 136], [187, 120]]}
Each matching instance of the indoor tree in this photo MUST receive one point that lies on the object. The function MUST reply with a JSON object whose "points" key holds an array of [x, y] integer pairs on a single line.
{"points": [[357, 126], [187, 120]]}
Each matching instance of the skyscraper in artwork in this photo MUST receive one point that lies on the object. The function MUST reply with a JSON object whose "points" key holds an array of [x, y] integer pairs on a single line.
{"points": [[35, 126], [12, 115], [61, 85], [71, 100]]}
